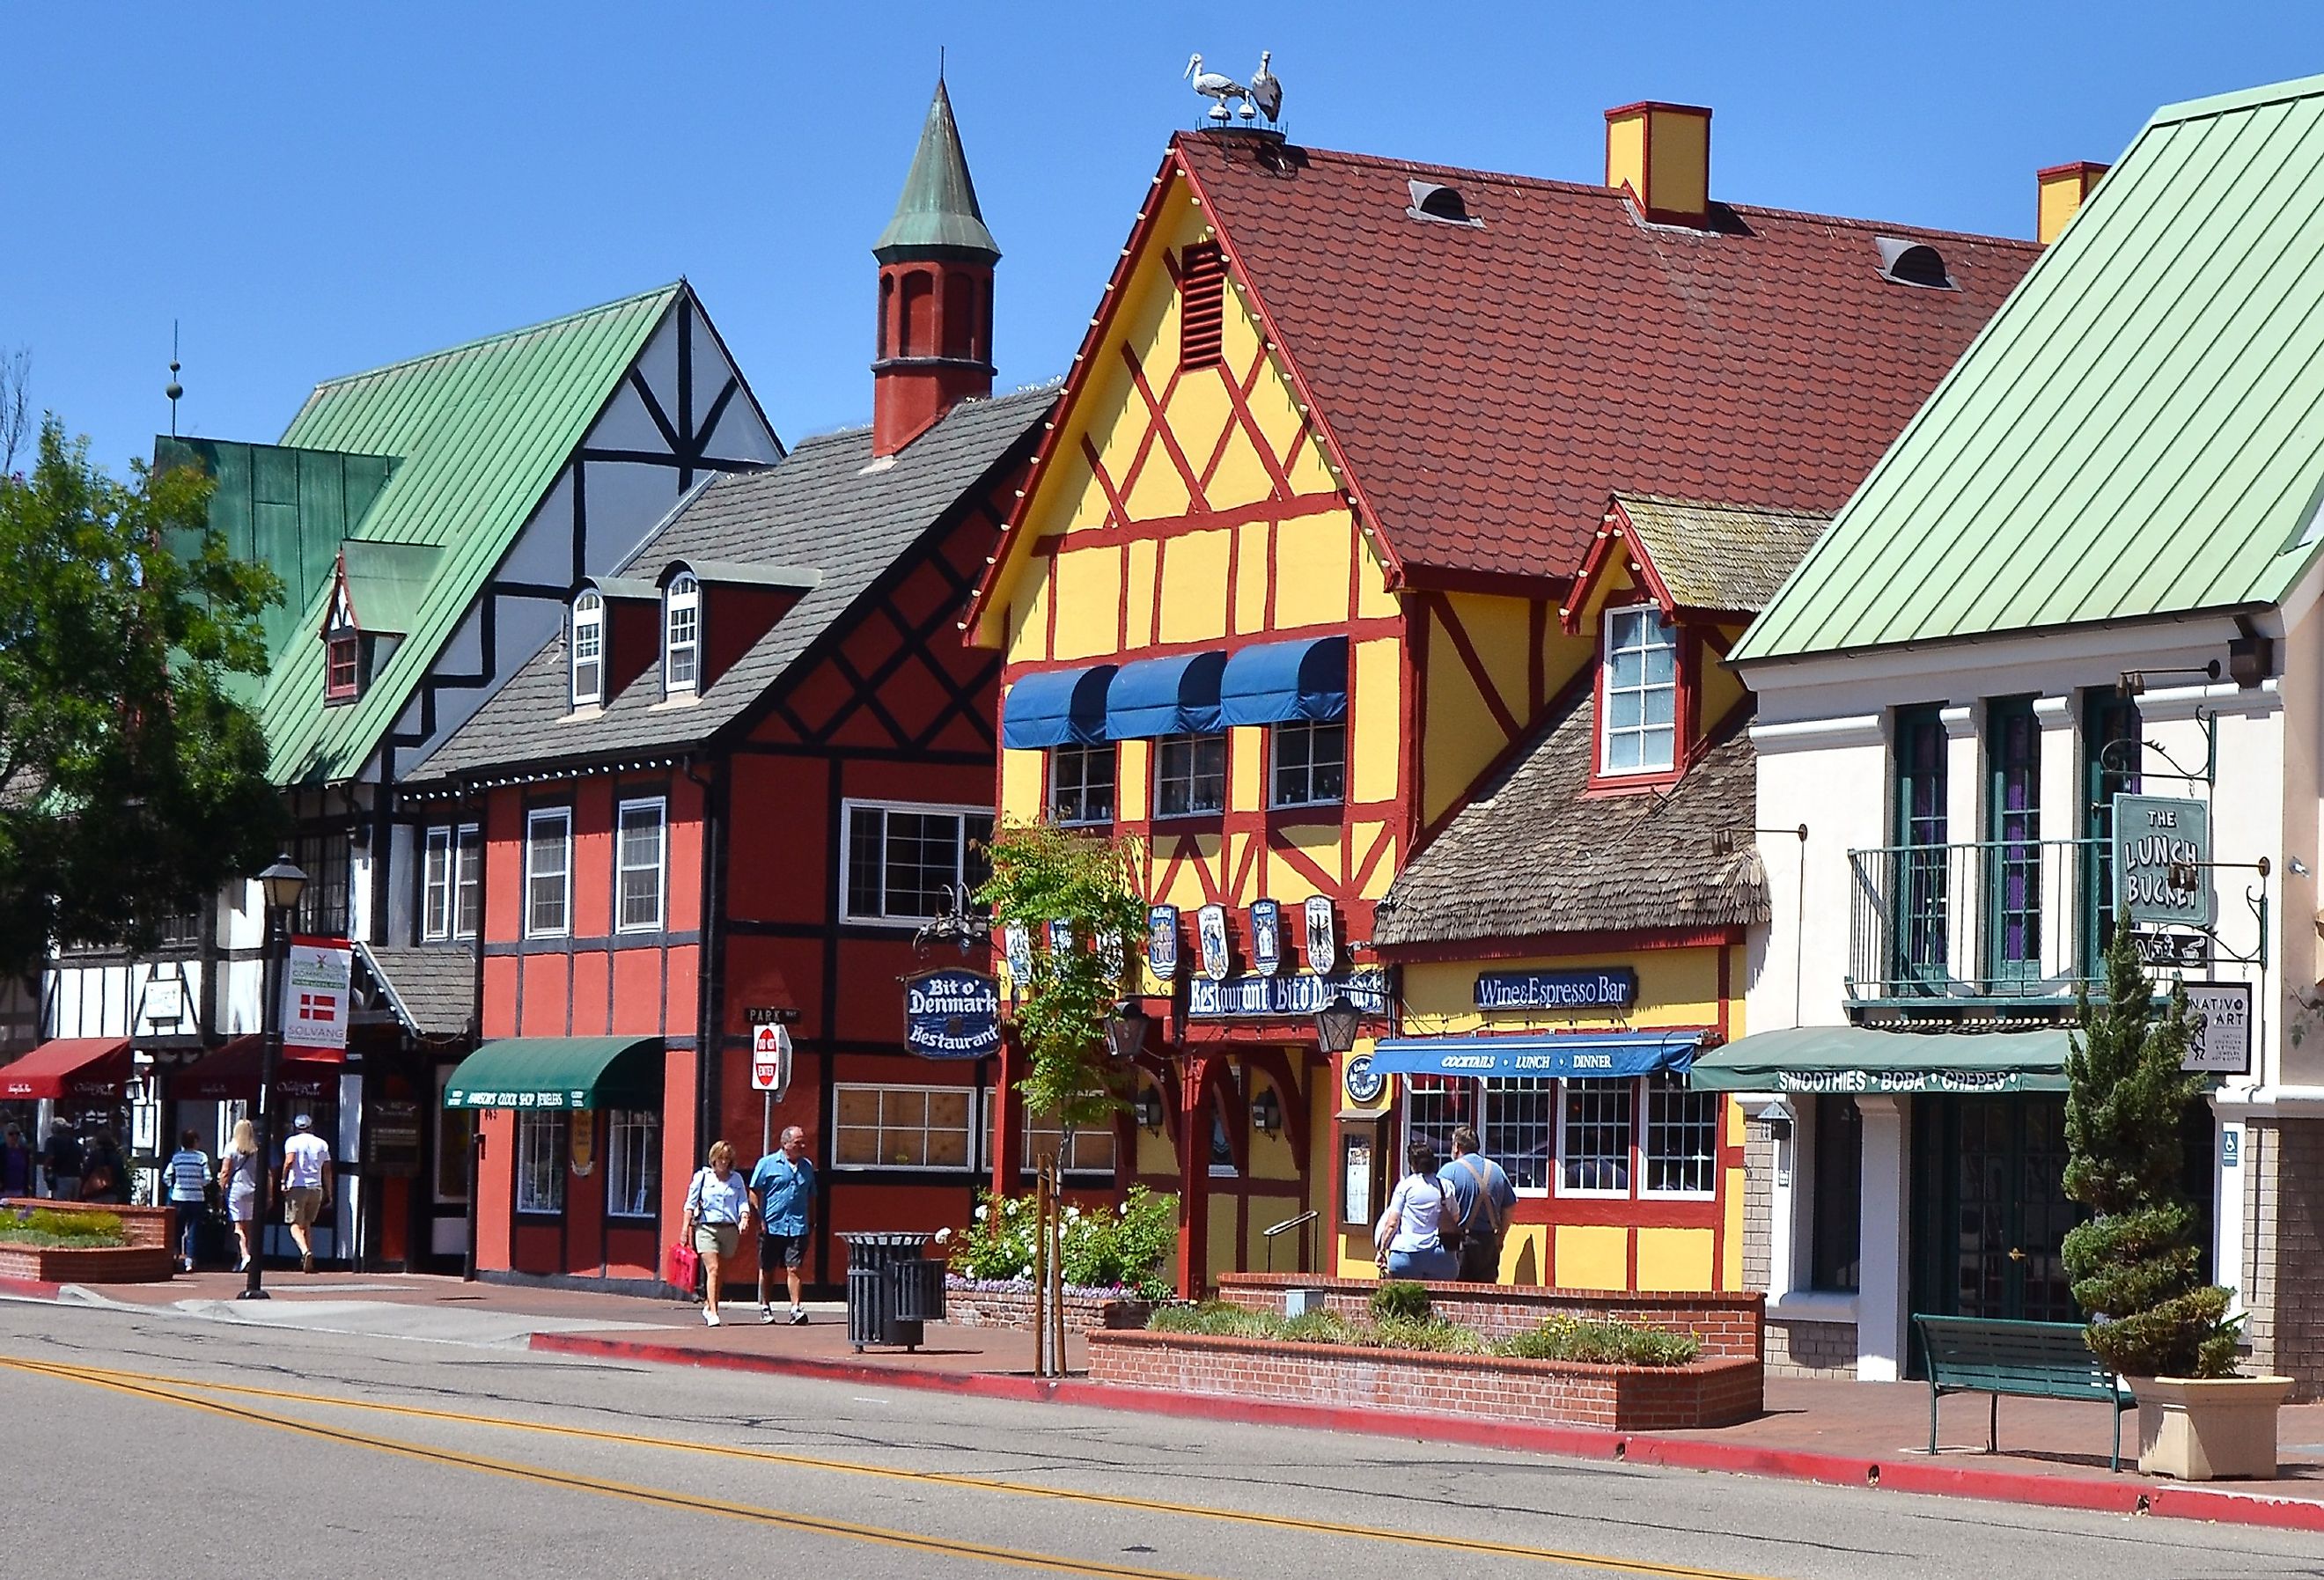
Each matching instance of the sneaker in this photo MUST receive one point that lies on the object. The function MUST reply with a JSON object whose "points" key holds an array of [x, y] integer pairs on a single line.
{"points": [[710, 1317], [799, 1317], [766, 1314], [307, 1263]]}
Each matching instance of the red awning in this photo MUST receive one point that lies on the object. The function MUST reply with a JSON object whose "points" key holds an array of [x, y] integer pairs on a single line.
{"points": [[96, 1068], [231, 1074]]}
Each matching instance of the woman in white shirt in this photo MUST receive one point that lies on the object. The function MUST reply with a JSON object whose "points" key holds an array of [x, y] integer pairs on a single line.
{"points": [[1407, 1238], [718, 1207], [238, 1178]]}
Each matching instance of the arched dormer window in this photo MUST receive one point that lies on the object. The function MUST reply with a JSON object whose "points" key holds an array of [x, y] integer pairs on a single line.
{"points": [[682, 625], [587, 649]]}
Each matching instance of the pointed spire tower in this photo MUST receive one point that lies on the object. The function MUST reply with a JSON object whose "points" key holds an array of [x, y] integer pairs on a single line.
{"points": [[936, 292]]}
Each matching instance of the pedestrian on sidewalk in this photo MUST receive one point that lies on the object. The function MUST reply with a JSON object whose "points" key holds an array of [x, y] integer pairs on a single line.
{"points": [[18, 1166], [61, 1158], [305, 1185], [1408, 1237], [717, 1210], [1482, 1200], [104, 1171], [238, 1178], [187, 1173], [782, 1191]]}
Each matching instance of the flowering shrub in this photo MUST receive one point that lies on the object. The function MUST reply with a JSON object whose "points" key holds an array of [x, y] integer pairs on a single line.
{"points": [[1129, 1248]]}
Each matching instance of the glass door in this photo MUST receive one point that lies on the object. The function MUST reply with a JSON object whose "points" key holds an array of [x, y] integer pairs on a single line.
{"points": [[1990, 1211]]}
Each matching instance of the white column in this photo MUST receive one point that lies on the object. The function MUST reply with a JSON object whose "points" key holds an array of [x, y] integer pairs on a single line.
{"points": [[1964, 801], [2060, 792], [2227, 1204], [1883, 1286]]}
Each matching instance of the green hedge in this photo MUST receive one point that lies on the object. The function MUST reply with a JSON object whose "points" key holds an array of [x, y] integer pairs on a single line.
{"points": [[52, 1230], [1558, 1338]]}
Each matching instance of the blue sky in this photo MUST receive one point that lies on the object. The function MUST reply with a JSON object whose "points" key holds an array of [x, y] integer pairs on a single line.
{"points": [[316, 189]]}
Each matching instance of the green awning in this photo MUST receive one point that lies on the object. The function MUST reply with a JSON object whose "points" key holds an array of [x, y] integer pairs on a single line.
{"points": [[560, 1072], [1854, 1059]]}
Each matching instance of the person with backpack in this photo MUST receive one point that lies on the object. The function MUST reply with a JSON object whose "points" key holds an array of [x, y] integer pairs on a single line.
{"points": [[1410, 1236], [1482, 1201]]}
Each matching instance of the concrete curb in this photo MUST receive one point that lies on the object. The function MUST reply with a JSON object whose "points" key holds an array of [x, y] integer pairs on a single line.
{"points": [[30, 1288], [1909, 1474]]}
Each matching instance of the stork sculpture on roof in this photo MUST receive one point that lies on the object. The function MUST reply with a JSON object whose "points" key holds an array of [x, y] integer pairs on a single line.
{"points": [[1265, 89], [1216, 85]]}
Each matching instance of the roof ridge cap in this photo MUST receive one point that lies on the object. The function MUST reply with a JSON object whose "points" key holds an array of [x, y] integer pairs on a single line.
{"points": [[483, 340], [1897, 226], [2241, 98]]}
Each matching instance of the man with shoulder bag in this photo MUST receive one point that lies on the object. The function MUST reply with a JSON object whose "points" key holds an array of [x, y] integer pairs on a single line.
{"points": [[1482, 1201]]}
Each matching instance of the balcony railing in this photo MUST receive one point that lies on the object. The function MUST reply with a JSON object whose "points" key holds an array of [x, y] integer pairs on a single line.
{"points": [[1998, 920]]}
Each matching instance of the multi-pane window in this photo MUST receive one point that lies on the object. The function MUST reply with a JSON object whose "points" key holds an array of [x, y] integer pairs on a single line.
{"points": [[549, 873], [1681, 1142], [1516, 1128], [542, 1142], [588, 649], [1640, 730], [632, 1163], [2111, 749], [1836, 1238], [342, 665], [437, 884], [1920, 901], [322, 908], [2013, 858], [1090, 1149], [681, 653], [639, 867], [901, 859], [1594, 1142], [1190, 775], [1081, 783], [469, 887], [1310, 762], [901, 1127], [1433, 1106]]}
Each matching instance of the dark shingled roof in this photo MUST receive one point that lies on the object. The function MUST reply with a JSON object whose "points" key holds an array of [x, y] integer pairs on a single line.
{"points": [[1724, 556], [825, 507], [431, 988], [1534, 856]]}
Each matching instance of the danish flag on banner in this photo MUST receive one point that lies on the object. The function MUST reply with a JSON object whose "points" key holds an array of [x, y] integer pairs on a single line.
{"points": [[318, 1006], [315, 998]]}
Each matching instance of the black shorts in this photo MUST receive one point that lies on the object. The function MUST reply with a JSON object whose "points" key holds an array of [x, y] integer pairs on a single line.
{"points": [[782, 1251]]}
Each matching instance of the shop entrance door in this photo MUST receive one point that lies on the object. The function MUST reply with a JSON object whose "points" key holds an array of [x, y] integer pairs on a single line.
{"points": [[1989, 1207]]}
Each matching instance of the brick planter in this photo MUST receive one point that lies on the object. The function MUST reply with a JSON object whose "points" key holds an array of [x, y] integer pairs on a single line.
{"points": [[148, 1257], [1013, 1308], [1710, 1392], [1729, 1325]]}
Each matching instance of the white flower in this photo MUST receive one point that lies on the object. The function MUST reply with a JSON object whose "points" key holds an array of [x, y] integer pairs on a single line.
{"points": [[980, 1214], [1072, 1213], [1026, 1272], [944, 1235]]}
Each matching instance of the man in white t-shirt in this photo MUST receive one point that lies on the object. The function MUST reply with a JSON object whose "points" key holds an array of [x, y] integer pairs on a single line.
{"points": [[305, 1185]]}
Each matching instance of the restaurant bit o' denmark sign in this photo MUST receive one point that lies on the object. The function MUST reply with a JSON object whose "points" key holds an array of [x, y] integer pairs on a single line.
{"points": [[951, 1014], [2161, 851], [1297, 994], [1615, 988]]}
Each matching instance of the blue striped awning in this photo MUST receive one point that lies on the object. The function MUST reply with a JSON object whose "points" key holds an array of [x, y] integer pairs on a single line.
{"points": [[1276, 681], [1058, 707], [1165, 697], [1582, 1054]]}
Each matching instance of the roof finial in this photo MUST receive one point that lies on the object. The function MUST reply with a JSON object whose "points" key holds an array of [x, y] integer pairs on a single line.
{"points": [[940, 65], [173, 388]]}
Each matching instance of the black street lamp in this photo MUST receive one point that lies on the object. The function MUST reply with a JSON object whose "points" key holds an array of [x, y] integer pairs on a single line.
{"points": [[281, 884], [1336, 1023], [1125, 1030]]}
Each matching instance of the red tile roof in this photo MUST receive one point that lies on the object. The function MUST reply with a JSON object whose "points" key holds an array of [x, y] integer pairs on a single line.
{"points": [[1487, 388]]}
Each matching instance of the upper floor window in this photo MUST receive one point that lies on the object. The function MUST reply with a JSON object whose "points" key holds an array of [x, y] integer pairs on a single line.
{"points": [[1202, 305], [1640, 731], [681, 655], [326, 859], [1310, 762], [588, 650], [902, 857], [1190, 775], [640, 863], [451, 883], [1081, 783], [342, 664], [549, 873]]}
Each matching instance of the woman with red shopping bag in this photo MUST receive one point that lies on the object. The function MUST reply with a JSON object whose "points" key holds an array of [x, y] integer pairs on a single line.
{"points": [[717, 1211]]}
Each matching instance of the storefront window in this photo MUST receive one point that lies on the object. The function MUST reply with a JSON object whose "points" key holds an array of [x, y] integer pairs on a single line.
{"points": [[1594, 1148], [1518, 1132], [1838, 1186], [1433, 1106], [1681, 1138], [1089, 1151], [901, 1127], [632, 1162], [540, 1159], [1190, 775]]}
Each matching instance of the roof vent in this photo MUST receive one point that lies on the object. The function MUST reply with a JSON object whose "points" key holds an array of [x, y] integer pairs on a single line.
{"points": [[1914, 263], [1443, 203]]}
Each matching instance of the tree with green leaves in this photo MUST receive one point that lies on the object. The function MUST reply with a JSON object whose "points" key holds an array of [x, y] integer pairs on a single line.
{"points": [[1041, 874], [2135, 1266], [132, 782]]}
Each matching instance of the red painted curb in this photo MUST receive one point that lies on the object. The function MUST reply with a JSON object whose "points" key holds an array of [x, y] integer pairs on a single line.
{"points": [[1912, 1474], [30, 1288]]}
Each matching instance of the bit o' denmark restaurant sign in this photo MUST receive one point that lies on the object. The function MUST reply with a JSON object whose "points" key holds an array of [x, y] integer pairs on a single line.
{"points": [[951, 1014]]}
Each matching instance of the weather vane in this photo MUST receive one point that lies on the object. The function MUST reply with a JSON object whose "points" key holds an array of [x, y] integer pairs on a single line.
{"points": [[1264, 96]]}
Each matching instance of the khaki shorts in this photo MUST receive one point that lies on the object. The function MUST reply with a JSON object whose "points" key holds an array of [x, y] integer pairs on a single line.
{"points": [[718, 1240], [302, 1205]]}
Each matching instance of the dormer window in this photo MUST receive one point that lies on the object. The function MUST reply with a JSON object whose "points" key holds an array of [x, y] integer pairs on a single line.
{"points": [[588, 650], [681, 650], [1638, 729], [1444, 205], [1912, 263], [342, 664]]}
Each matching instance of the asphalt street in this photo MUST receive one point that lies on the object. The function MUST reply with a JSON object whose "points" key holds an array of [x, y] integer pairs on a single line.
{"points": [[147, 1443]]}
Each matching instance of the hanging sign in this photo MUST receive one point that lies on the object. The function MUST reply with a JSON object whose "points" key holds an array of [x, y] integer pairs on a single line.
{"points": [[2172, 951], [1265, 937], [1298, 992], [583, 1148], [770, 1058], [1112, 954], [1211, 927], [2221, 1045], [1162, 941], [315, 991], [1610, 988], [1323, 935], [1362, 1084], [2161, 851], [1061, 937], [1017, 944], [951, 1014]]}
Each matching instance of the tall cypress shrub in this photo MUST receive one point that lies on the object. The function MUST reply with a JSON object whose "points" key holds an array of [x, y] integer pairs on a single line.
{"points": [[2136, 1267]]}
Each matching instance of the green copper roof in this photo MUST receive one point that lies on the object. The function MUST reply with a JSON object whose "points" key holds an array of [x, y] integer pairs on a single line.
{"points": [[2138, 430], [938, 207], [478, 433]]}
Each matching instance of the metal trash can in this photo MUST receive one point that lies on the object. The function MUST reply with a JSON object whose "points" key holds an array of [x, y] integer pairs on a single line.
{"points": [[888, 1286]]}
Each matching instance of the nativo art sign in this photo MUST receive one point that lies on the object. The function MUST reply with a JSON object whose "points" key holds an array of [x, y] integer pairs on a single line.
{"points": [[951, 1014]]}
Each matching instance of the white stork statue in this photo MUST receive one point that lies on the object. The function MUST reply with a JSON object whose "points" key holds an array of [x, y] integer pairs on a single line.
{"points": [[1216, 86], [1267, 88]]}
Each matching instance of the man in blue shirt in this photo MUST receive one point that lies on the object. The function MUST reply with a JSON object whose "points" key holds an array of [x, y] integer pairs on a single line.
{"points": [[782, 1190], [1482, 1200]]}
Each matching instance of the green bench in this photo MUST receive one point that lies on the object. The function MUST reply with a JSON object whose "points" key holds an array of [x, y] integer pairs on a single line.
{"points": [[2026, 1360]]}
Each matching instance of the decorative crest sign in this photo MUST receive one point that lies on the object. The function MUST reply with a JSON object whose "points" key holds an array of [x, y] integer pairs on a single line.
{"points": [[1323, 935], [1162, 941], [1211, 927], [1265, 937], [1016, 947]]}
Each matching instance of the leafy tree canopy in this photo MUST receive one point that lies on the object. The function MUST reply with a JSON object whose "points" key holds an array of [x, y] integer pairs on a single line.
{"points": [[131, 781]]}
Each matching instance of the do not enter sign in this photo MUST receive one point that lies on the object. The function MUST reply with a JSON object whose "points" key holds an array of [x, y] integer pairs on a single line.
{"points": [[770, 1059]]}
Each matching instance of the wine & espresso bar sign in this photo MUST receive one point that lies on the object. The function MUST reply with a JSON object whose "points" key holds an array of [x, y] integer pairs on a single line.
{"points": [[1598, 988]]}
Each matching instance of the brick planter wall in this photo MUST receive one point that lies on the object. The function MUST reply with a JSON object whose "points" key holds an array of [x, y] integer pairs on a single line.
{"points": [[1731, 1326], [139, 1225], [1621, 1399], [1013, 1308], [149, 1258]]}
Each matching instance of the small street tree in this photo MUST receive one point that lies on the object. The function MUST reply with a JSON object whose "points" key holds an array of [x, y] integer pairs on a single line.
{"points": [[132, 782], [2135, 1266]]}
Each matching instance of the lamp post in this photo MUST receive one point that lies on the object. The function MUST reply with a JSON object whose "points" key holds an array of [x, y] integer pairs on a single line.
{"points": [[282, 885], [1125, 1030]]}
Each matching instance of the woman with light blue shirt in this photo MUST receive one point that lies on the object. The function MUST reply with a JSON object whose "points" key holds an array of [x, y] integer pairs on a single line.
{"points": [[718, 1207], [1407, 1238]]}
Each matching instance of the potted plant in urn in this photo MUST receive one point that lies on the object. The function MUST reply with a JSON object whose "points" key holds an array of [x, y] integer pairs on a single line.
{"points": [[2135, 1266]]}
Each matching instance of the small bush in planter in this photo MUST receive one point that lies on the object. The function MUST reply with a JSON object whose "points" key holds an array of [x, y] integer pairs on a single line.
{"points": [[1400, 1299], [1606, 1343], [49, 1229]]}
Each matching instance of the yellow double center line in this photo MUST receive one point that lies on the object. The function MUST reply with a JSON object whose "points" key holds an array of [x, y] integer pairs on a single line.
{"points": [[187, 1391]]}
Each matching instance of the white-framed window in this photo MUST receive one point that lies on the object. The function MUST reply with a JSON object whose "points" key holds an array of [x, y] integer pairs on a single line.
{"points": [[901, 1127], [902, 856], [342, 665], [1310, 762], [435, 884], [1190, 775], [632, 1163], [1089, 1151], [549, 873], [543, 1141], [1639, 732], [640, 861], [468, 886], [587, 649], [1681, 1150], [1081, 783], [1593, 1139], [1514, 1118], [451, 883], [681, 624]]}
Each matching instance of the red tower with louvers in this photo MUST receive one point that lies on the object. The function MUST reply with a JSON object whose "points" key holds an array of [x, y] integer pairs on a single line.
{"points": [[936, 292]]}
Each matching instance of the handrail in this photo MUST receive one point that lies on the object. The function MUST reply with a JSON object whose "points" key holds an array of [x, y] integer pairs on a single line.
{"points": [[1976, 919], [1309, 1216]]}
